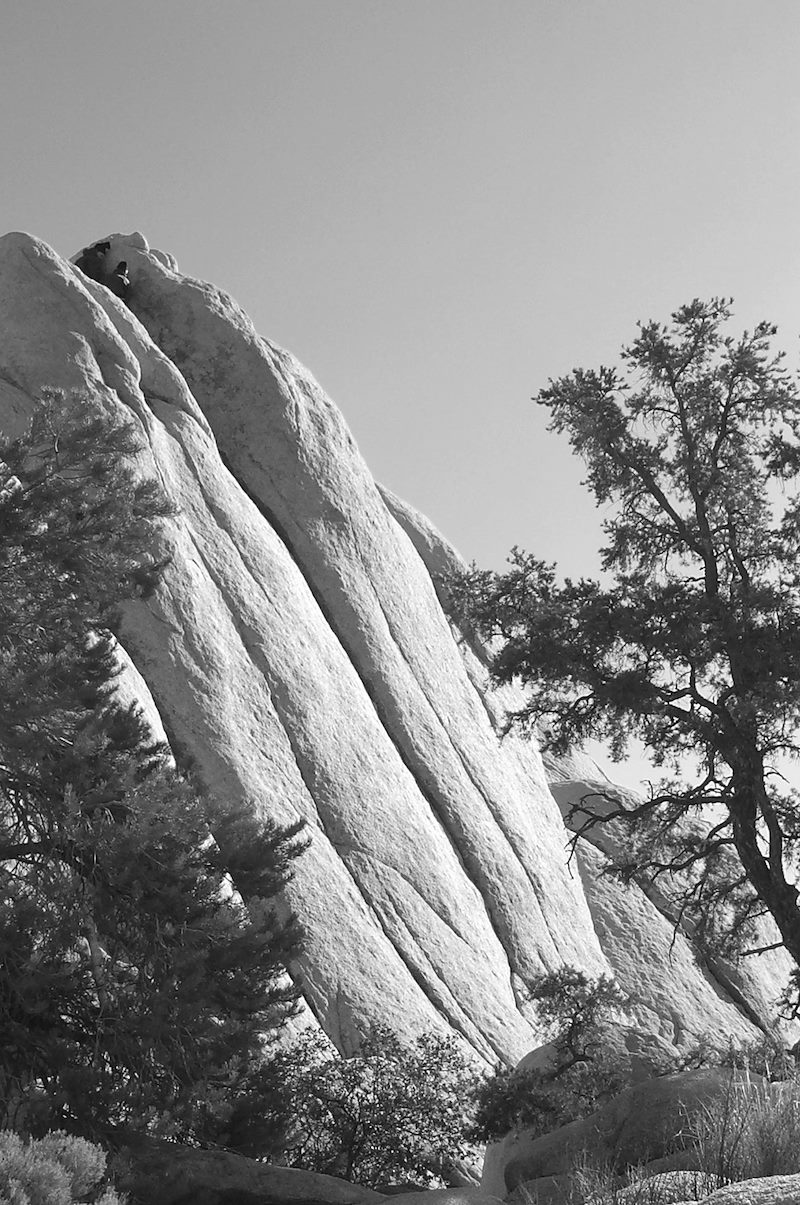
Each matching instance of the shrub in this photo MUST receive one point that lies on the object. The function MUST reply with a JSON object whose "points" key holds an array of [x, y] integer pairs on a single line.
{"points": [[766, 1056], [54, 1170], [389, 1113], [585, 1070], [752, 1131]]}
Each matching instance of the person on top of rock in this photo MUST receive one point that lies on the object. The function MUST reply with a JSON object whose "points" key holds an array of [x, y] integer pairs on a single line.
{"points": [[119, 281]]}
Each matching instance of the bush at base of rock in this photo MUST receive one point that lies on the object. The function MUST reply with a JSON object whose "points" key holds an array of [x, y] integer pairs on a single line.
{"points": [[751, 1131], [57, 1169], [766, 1056], [389, 1113], [585, 1066]]}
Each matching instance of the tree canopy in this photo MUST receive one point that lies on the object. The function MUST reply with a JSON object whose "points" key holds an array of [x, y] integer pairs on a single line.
{"points": [[691, 639], [391, 1112], [135, 983]]}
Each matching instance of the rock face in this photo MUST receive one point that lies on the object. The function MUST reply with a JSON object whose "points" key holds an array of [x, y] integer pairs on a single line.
{"points": [[298, 651]]}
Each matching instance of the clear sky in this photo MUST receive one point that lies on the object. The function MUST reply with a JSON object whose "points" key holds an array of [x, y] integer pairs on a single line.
{"points": [[435, 204]]}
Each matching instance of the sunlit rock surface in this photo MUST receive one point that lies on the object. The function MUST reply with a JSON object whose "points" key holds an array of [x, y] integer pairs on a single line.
{"points": [[298, 652]]}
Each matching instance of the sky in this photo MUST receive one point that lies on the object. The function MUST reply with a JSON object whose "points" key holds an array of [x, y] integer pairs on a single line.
{"points": [[436, 205]]}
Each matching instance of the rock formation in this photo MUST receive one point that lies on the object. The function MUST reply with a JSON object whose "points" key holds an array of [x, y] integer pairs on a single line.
{"points": [[166, 1173], [298, 651]]}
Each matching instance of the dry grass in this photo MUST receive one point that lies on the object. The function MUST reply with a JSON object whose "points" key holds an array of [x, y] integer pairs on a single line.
{"points": [[599, 1184], [754, 1130], [595, 1182]]}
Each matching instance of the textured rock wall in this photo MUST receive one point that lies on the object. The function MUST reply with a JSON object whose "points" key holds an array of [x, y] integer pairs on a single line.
{"points": [[298, 651]]}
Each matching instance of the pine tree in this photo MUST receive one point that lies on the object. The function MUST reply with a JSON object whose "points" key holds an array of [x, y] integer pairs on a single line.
{"points": [[135, 984], [691, 642]]}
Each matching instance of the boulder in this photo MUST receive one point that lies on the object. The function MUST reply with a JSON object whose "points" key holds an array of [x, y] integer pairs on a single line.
{"points": [[167, 1174], [645, 1122], [298, 653], [769, 1190]]}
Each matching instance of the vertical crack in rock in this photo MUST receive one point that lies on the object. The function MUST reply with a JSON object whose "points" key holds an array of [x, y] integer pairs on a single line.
{"points": [[396, 727], [441, 997]]}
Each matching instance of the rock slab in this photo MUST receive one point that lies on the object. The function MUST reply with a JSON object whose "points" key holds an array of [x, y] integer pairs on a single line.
{"points": [[167, 1174]]}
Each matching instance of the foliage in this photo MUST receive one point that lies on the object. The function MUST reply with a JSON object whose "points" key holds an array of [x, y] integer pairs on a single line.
{"points": [[57, 1169], [766, 1056], [692, 640], [388, 1113], [133, 980], [583, 1072]]}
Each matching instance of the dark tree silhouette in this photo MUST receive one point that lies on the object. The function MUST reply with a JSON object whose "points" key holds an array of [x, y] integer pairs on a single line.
{"points": [[135, 984], [691, 640]]}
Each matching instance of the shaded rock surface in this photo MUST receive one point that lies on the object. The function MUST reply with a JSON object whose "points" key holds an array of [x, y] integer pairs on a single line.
{"points": [[645, 1122], [298, 651], [168, 1174]]}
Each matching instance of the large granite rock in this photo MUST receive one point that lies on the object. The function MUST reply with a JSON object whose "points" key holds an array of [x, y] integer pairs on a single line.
{"points": [[298, 651]]}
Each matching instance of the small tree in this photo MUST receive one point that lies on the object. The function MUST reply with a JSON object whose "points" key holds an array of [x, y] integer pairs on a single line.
{"points": [[692, 640], [584, 1068], [389, 1113], [135, 985]]}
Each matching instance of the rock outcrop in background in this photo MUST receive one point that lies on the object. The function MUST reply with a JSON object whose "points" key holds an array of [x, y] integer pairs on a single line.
{"points": [[298, 652]]}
